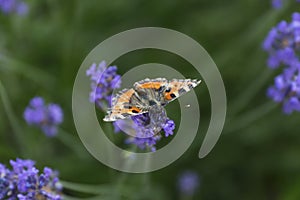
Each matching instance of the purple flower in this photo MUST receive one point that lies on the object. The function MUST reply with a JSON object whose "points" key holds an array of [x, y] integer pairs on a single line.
{"points": [[22, 8], [277, 4], [4, 181], [188, 183], [283, 46], [46, 117], [24, 181], [103, 81], [148, 127], [286, 90], [13, 6], [169, 127], [282, 43]]}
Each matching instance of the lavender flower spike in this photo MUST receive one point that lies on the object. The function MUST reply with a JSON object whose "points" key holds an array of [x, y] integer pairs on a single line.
{"points": [[46, 117], [277, 4], [104, 79], [148, 127], [188, 183], [282, 43], [286, 90], [13, 6], [25, 182]]}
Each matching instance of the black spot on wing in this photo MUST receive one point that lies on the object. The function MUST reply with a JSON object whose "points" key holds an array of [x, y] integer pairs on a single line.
{"points": [[161, 88], [173, 95], [168, 90]]}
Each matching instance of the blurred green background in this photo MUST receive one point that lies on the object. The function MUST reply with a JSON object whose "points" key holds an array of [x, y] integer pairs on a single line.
{"points": [[257, 156]]}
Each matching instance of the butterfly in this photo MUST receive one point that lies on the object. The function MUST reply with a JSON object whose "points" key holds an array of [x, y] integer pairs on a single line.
{"points": [[147, 94]]}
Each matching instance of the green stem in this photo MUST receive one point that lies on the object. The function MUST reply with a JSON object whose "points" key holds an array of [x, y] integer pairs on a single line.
{"points": [[65, 197], [250, 117], [249, 93], [248, 37], [32, 73], [68, 140], [105, 190], [122, 179], [12, 119], [85, 188], [242, 43]]}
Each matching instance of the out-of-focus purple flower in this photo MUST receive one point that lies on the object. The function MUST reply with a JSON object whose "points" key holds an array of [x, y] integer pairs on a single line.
{"points": [[283, 42], [286, 90], [277, 4], [22, 8], [25, 182], [103, 81], [46, 117], [13, 6], [188, 183], [148, 127]]}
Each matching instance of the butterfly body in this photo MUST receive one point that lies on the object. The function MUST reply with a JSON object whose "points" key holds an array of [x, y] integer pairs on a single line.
{"points": [[148, 94]]}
